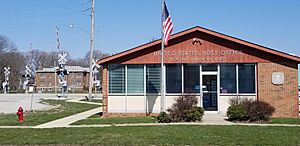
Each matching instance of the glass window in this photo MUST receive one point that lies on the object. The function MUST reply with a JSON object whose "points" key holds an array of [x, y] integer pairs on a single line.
{"points": [[173, 78], [116, 78], [42, 83], [228, 78], [191, 78], [246, 78], [153, 78], [135, 78], [209, 67], [42, 75], [78, 76]]}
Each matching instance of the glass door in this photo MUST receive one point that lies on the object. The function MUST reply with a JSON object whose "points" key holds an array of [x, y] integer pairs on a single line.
{"points": [[210, 92]]}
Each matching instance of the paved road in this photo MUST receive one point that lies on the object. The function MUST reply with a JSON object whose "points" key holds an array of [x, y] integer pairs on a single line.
{"points": [[9, 103]]}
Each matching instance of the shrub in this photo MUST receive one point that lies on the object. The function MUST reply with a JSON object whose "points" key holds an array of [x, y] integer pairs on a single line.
{"points": [[195, 114], [248, 110], [237, 113], [163, 117], [238, 100], [259, 110], [184, 109]]}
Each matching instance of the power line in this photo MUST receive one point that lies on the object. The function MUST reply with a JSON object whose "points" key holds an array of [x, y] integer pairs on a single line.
{"points": [[73, 2], [63, 7]]}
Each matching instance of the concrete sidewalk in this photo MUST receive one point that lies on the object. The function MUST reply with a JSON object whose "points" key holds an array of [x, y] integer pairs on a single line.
{"points": [[215, 119], [64, 122], [191, 123], [208, 119]]}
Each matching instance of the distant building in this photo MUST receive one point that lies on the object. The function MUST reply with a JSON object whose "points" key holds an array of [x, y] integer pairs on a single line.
{"points": [[46, 79]]}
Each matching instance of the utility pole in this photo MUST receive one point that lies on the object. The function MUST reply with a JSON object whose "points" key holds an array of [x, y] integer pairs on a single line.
{"points": [[55, 90], [91, 50]]}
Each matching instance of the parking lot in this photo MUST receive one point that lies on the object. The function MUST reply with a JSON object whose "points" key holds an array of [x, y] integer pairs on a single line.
{"points": [[9, 103]]}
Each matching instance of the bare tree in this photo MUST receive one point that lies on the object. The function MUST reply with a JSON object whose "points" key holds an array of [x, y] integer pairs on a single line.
{"points": [[78, 62], [97, 54], [40, 59], [17, 63], [84, 62], [6, 45], [9, 56]]}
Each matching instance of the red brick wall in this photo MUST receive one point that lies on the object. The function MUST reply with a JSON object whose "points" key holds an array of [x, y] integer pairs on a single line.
{"points": [[283, 97], [71, 80], [105, 89], [37, 79], [47, 78]]}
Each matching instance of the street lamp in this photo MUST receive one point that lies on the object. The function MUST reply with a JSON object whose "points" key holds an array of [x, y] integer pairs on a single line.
{"points": [[80, 28], [91, 47], [91, 67]]}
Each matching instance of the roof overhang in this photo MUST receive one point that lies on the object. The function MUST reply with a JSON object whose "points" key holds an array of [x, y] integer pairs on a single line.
{"points": [[206, 31]]}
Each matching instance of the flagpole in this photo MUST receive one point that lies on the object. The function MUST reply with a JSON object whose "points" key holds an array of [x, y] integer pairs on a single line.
{"points": [[162, 94]]}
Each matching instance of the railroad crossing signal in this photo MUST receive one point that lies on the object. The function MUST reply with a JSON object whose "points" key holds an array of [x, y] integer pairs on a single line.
{"points": [[6, 82], [28, 72], [62, 72], [62, 58], [95, 64], [28, 69], [27, 76], [7, 72]]}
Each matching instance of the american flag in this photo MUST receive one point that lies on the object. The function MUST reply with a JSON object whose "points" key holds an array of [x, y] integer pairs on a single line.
{"points": [[167, 24]]}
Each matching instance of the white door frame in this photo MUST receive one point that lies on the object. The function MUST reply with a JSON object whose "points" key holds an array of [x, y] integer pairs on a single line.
{"points": [[218, 88]]}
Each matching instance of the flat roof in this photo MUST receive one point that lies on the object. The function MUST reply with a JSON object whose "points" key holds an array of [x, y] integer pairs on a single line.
{"points": [[69, 68]]}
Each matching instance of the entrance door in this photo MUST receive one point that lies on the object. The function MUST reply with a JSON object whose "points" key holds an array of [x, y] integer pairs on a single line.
{"points": [[209, 92]]}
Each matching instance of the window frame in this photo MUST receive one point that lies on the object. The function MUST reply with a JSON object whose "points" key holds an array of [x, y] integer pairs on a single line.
{"points": [[145, 92], [237, 83], [133, 93], [255, 80], [236, 78], [178, 66], [155, 93], [108, 76]]}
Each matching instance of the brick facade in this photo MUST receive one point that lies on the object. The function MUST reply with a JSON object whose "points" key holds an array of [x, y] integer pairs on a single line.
{"points": [[77, 80], [284, 98], [218, 48], [105, 89]]}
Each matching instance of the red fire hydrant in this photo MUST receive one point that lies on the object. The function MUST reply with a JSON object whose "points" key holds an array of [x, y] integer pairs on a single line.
{"points": [[20, 114]]}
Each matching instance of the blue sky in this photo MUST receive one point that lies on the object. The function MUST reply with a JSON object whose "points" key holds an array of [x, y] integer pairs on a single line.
{"points": [[120, 24]]}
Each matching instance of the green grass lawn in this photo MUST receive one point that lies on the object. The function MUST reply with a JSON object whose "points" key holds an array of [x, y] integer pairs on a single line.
{"points": [[39, 117], [96, 119], [285, 121], [155, 135]]}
